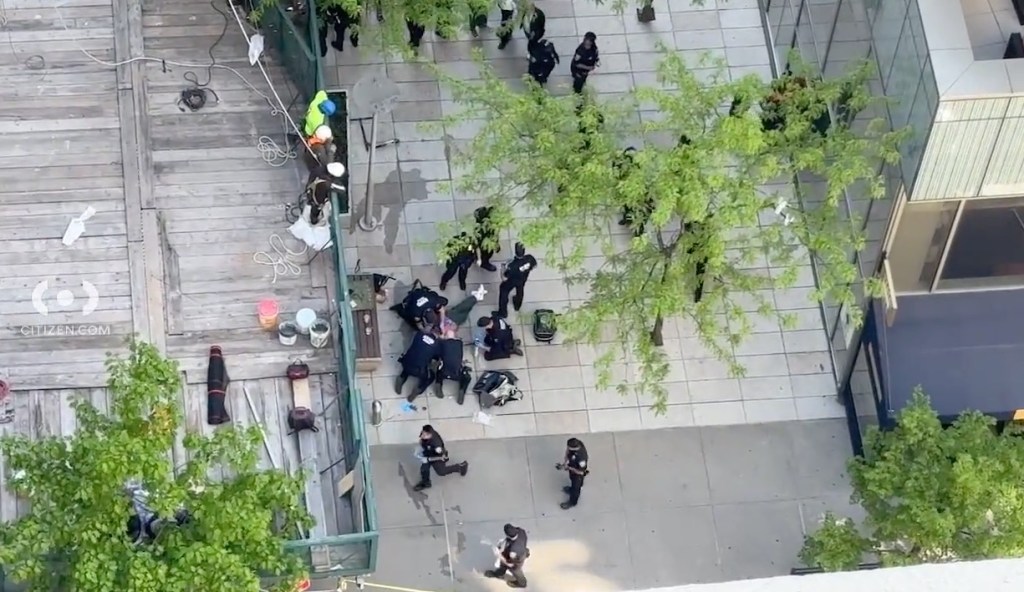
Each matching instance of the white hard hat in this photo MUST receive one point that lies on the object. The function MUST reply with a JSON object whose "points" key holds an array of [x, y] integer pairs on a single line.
{"points": [[336, 169], [323, 133]]}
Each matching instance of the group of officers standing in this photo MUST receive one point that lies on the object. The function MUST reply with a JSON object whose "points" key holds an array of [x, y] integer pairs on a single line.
{"points": [[512, 551], [542, 55]]}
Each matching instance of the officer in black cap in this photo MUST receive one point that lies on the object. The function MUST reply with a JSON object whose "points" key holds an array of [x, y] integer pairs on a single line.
{"points": [[435, 456], [418, 361], [512, 557], [516, 273], [574, 463]]}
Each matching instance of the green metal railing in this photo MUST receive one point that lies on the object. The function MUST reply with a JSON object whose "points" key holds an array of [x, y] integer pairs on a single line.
{"points": [[295, 49], [356, 553], [363, 545]]}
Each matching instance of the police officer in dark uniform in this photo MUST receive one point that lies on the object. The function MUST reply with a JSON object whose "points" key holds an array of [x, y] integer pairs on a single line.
{"points": [[341, 21], [516, 273], [513, 555], [485, 236], [459, 262], [436, 456], [574, 463], [418, 361], [417, 302], [534, 24], [584, 61], [543, 58], [453, 367]]}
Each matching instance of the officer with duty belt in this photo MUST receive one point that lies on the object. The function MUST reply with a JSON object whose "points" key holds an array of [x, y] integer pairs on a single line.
{"points": [[512, 556], [419, 361], [575, 463], [435, 456], [516, 273]]}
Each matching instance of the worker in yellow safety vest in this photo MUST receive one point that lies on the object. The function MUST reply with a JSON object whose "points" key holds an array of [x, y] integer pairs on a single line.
{"points": [[320, 108]]}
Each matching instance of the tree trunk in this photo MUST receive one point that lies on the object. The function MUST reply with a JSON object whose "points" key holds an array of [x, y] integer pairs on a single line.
{"points": [[656, 332]]}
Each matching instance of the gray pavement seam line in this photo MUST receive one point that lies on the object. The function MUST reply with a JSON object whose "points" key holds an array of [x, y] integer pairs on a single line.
{"points": [[618, 477], [447, 539], [529, 476], [707, 476]]}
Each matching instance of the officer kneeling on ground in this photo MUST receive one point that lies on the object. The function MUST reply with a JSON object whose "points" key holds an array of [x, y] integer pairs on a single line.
{"points": [[417, 302], [418, 361], [452, 366], [435, 456], [494, 335], [512, 556], [575, 463]]}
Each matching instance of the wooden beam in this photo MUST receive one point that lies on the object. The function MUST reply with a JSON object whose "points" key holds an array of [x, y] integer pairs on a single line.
{"points": [[154, 286], [140, 300], [130, 164]]}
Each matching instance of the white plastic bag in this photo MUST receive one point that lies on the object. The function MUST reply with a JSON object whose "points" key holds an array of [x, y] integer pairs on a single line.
{"points": [[255, 48]]}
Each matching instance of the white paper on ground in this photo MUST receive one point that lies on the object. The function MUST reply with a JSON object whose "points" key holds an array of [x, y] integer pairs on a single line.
{"points": [[76, 227], [255, 48], [316, 237], [482, 418], [479, 293]]}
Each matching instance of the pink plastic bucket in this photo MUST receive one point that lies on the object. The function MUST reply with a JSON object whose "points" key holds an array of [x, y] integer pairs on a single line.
{"points": [[267, 310]]}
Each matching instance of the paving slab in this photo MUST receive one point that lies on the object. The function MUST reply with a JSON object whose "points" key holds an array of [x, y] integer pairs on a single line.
{"points": [[661, 508], [789, 370]]}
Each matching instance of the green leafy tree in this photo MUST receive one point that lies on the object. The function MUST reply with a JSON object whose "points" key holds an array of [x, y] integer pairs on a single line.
{"points": [[931, 494], [75, 535], [445, 17], [708, 194]]}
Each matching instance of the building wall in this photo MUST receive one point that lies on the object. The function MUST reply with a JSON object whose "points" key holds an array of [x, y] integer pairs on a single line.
{"points": [[974, 151], [831, 36]]}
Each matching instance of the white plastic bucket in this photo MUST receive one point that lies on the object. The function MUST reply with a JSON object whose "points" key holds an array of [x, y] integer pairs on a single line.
{"points": [[304, 319], [287, 333], [319, 333]]}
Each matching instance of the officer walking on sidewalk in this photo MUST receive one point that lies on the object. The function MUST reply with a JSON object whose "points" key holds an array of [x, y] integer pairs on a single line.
{"points": [[516, 273], [435, 456], [512, 556], [575, 463]]}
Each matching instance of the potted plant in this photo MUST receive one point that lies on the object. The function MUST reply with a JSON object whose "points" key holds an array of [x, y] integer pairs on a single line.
{"points": [[645, 13]]}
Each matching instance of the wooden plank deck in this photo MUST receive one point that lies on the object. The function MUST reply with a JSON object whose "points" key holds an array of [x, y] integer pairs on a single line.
{"points": [[40, 413], [59, 155], [183, 201]]}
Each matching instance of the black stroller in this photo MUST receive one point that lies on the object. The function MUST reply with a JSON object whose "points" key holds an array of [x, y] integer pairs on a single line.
{"points": [[496, 388]]}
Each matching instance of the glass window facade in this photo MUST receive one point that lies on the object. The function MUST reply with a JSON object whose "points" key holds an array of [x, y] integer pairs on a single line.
{"points": [[831, 35], [987, 248]]}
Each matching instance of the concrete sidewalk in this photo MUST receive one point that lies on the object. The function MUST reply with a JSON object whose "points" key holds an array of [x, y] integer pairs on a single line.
{"points": [[661, 507]]}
